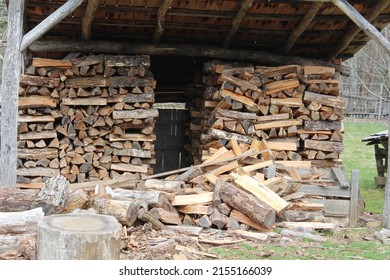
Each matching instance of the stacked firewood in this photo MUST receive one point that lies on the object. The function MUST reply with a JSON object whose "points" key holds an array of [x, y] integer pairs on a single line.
{"points": [[97, 116], [296, 109]]}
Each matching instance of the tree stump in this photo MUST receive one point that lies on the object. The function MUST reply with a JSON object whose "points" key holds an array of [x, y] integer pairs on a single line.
{"points": [[79, 237]]}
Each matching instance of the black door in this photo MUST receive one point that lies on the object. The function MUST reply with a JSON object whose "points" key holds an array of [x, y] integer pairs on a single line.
{"points": [[170, 131]]}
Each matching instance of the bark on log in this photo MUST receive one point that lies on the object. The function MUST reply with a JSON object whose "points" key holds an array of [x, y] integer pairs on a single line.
{"points": [[79, 237], [248, 205]]}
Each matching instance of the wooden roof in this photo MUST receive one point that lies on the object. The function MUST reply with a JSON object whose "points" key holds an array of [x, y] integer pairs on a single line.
{"points": [[313, 29]]}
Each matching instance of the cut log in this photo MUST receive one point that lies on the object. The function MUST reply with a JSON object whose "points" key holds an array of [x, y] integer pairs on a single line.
{"points": [[25, 222], [79, 237], [93, 101], [248, 205], [261, 192], [38, 172], [278, 86], [16, 200], [39, 81], [129, 167], [289, 102], [125, 212]]}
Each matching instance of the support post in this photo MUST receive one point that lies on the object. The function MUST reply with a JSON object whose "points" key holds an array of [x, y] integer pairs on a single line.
{"points": [[245, 6], [305, 22], [386, 208], [364, 24], [89, 15], [161, 13], [39, 30], [354, 201], [12, 67]]}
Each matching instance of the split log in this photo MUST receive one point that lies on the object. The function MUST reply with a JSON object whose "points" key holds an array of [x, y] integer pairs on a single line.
{"points": [[16, 247], [76, 200], [52, 197], [192, 199], [25, 222], [166, 216], [248, 205], [164, 185], [326, 100], [125, 212], [147, 217], [325, 146], [322, 125], [79, 237]]}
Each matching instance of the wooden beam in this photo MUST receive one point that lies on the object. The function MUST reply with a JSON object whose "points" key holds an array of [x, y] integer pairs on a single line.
{"points": [[12, 68], [386, 207], [245, 6], [56, 17], [370, 16], [179, 50], [305, 22], [161, 13], [89, 15], [354, 205]]}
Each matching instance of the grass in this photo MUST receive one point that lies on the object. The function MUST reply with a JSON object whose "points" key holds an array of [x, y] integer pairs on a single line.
{"points": [[357, 155], [348, 244]]}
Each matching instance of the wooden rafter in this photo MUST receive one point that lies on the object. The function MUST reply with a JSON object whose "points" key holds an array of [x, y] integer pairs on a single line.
{"points": [[38, 31], [371, 15], [305, 22], [89, 15], [161, 13], [178, 50], [12, 68], [245, 6]]}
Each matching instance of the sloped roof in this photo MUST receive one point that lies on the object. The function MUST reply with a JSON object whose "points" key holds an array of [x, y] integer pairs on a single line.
{"points": [[251, 25]]}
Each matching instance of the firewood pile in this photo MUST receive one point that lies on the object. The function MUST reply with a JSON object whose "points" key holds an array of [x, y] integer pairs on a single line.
{"points": [[297, 109], [87, 118]]}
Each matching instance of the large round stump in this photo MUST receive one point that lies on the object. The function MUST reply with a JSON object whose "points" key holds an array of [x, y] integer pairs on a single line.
{"points": [[79, 237]]}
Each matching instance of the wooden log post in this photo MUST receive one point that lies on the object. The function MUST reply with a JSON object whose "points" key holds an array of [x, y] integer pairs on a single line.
{"points": [[49, 22], [12, 66], [354, 202], [386, 208], [79, 237], [89, 15]]}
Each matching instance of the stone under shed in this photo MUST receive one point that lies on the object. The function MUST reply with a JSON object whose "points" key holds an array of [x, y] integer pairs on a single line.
{"points": [[119, 92]]}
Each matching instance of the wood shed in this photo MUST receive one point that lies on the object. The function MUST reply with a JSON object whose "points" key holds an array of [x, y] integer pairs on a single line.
{"points": [[113, 87]]}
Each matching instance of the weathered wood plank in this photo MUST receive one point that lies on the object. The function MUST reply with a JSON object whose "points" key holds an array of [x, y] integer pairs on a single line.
{"points": [[38, 172], [321, 126], [326, 146], [46, 62], [35, 135], [39, 81], [31, 102], [331, 191], [12, 65], [133, 153], [133, 137], [86, 101], [35, 119], [333, 206], [354, 202], [130, 167], [135, 114], [277, 124], [326, 100], [127, 61], [37, 154], [142, 97], [44, 26]]}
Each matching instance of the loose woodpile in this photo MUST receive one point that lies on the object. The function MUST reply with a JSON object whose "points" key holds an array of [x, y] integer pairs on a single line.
{"points": [[87, 118], [296, 109]]}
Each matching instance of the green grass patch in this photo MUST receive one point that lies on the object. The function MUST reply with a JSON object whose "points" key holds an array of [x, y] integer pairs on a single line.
{"points": [[357, 155]]}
